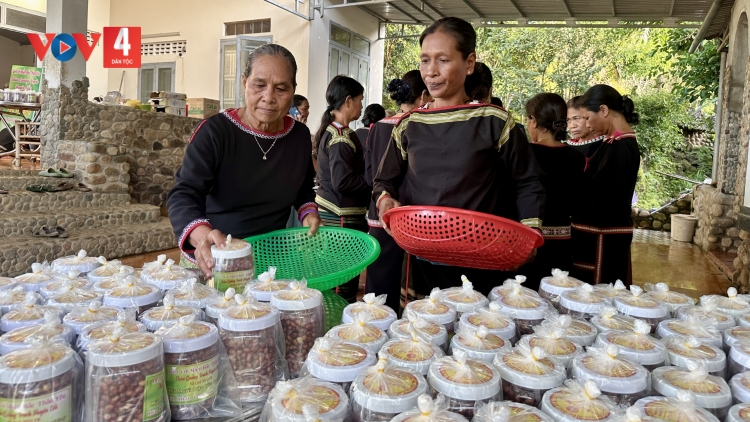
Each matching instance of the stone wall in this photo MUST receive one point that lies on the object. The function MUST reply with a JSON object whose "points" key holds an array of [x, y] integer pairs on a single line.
{"points": [[113, 148], [717, 225], [729, 149], [661, 219]]}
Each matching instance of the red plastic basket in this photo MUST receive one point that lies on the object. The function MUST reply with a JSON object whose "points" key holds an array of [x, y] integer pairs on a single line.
{"points": [[462, 238]]}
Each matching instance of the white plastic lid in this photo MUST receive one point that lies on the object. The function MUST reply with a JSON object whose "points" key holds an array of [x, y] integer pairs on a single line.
{"points": [[530, 368], [7, 283], [382, 315], [192, 293], [360, 332], [291, 399], [188, 335], [516, 412], [673, 300], [264, 291], [555, 344], [124, 349], [671, 410], [235, 248], [17, 339], [529, 308], [575, 402], [145, 294], [642, 349], [464, 298], [491, 346], [40, 274], [492, 318], [710, 392], [28, 313], [166, 276], [640, 306], [510, 286], [78, 319], [35, 364], [367, 389], [464, 379], [108, 269], [682, 327], [436, 333], [298, 298], [247, 316], [740, 385], [80, 262], [166, 315], [723, 319], [218, 304], [337, 361], [739, 413], [583, 299], [744, 320], [681, 349], [740, 353], [407, 353], [735, 334], [612, 290], [433, 308], [732, 303], [623, 377], [582, 332], [558, 283], [100, 330]]}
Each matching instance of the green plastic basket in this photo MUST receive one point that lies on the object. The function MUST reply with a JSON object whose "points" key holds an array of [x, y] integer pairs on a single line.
{"points": [[335, 305], [329, 259]]}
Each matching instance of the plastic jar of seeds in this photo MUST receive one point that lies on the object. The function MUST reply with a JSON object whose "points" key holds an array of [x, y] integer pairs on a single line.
{"points": [[622, 380], [735, 334], [265, 286], [218, 303], [681, 349], [139, 296], [637, 345], [43, 383], [125, 378], [738, 358], [191, 367], [97, 331], [478, 343], [709, 310], [578, 401], [552, 340], [464, 382], [429, 410], [582, 302], [14, 297], [612, 290], [108, 269], [464, 298], [702, 328], [576, 330], [435, 333], [384, 391], [337, 362], [434, 309], [509, 286], [40, 275], [79, 262], [302, 320], [252, 337], [23, 337], [55, 285], [526, 310], [415, 353], [711, 393], [168, 314], [80, 317], [673, 300], [732, 303], [680, 408], [638, 306], [527, 373], [29, 313], [508, 411], [166, 276], [382, 315], [234, 265], [360, 332], [551, 288], [7, 283], [69, 297], [740, 385], [298, 399], [494, 320], [609, 319], [192, 293], [739, 413]]}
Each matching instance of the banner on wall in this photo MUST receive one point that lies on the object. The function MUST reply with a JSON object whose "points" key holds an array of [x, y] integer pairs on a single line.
{"points": [[25, 78]]}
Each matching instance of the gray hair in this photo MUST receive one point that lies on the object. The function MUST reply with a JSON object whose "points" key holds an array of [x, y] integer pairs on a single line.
{"points": [[271, 50]]}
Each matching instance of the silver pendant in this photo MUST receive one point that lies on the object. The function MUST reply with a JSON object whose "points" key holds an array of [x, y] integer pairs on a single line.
{"points": [[264, 158]]}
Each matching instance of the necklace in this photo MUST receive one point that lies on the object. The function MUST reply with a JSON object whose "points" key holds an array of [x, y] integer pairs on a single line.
{"points": [[265, 153]]}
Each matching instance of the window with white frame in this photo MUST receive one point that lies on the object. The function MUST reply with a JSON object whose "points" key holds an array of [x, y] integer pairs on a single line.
{"points": [[155, 77], [349, 55], [232, 66]]}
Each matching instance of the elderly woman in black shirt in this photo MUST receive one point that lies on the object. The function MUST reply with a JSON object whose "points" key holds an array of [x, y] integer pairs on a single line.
{"points": [[245, 168]]}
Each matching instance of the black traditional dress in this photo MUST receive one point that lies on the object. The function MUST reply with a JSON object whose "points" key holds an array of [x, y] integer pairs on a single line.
{"points": [[587, 148], [603, 225], [362, 134], [563, 177], [471, 157], [343, 192], [228, 183]]}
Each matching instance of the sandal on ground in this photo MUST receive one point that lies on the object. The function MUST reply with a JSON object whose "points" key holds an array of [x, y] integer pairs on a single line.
{"points": [[44, 231], [62, 233], [50, 172], [82, 188], [3, 191], [64, 173], [65, 186], [35, 188], [49, 188]]}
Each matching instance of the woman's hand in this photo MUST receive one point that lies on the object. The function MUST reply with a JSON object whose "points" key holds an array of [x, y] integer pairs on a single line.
{"points": [[203, 237], [312, 221], [385, 205]]}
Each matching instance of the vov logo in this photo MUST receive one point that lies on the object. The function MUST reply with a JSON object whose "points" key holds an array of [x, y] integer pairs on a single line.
{"points": [[122, 46]]}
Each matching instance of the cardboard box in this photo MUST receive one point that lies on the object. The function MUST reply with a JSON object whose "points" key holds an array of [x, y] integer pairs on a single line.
{"points": [[202, 108]]}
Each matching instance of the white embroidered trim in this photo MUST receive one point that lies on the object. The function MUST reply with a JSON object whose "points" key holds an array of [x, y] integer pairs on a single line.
{"points": [[590, 141], [258, 134]]}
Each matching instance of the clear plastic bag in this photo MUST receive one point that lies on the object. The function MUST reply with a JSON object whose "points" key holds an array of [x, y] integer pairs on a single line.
{"points": [[80, 262], [681, 349], [642, 307], [199, 379], [192, 293], [739, 413], [265, 286], [637, 345], [80, 317], [234, 265], [14, 297], [29, 313], [289, 401], [429, 410], [673, 300], [167, 314], [108, 269], [435, 333], [583, 302], [110, 283], [740, 386], [738, 358], [384, 391], [360, 332], [464, 298], [40, 274], [609, 319], [45, 379], [709, 310], [744, 320], [7, 283], [528, 373], [253, 339], [525, 307], [552, 338], [478, 343], [302, 319], [578, 400], [382, 315], [612, 290], [72, 277], [48, 331], [218, 303], [165, 275], [624, 381], [508, 411], [464, 382], [733, 304], [416, 352], [735, 334], [125, 378], [576, 330], [139, 296], [68, 297], [509, 286], [493, 319], [99, 330], [433, 308], [337, 361], [680, 408], [632, 414], [692, 325], [711, 393], [551, 288]]}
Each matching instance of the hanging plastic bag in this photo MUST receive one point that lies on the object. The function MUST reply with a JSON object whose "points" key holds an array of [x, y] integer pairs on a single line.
{"points": [[382, 315], [99, 330], [69, 296], [733, 304], [167, 314], [464, 298], [289, 401], [508, 411], [16, 296], [167, 276], [578, 401], [583, 302], [108, 269], [525, 307], [360, 332], [493, 319], [682, 349], [337, 361], [551, 288], [673, 300], [265, 286], [50, 288], [609, 319], [192, 293], [576, 330], [23, 337], [434, 309], [637, 305], [510, 286], [479, 343], [416, 352], [709, 310], [80, 262], [218, 303], [680, 408], [711, 393], [612, 290], [29, 313], [429, 410], [637, 345], [40, 274], [80, 317], [552, 338], [622, 380], [692, 325]]}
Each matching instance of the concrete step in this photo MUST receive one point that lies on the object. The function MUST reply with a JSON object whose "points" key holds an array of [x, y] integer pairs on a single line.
{"points": [[21, 223], [17, 253], [19, 183], [23, 200], [23, 173]]}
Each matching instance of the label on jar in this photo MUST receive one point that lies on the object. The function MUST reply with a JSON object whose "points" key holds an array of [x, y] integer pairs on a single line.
{"points": [[491, 323], [519, 414], [703, 352], [631, 341], [554, 347], [190, 384], [55, 407], [574, 405], [234, 279], [478, 373], [678, 379], [663, 410], [153, 397], [404, 383], [617, 368]]}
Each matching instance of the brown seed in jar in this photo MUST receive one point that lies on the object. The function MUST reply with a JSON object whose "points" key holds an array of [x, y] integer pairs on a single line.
{"points": [[253, 356], [121, 389]]}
